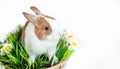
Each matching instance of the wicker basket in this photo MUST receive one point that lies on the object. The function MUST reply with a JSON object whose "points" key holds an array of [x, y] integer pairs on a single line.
{"points": [[58, 66]]}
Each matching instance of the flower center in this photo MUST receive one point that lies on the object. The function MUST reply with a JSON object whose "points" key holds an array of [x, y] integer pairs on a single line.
{"points": [[70, 36], [7, 47], [3, 51], [74, 44]]}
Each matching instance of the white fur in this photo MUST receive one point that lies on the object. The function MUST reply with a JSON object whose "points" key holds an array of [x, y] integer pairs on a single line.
{"points": [[57, 28], [35, 46]]}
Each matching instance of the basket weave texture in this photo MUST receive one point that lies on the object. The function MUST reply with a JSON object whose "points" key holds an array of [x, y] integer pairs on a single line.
{"points": [[58, 66]]}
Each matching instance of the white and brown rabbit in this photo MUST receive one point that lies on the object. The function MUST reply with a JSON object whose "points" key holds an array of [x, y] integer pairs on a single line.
{"points": [[40, 35]]}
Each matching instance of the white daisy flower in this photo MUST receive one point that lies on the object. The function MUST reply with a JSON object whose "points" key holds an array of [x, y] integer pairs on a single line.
{"points": [[6, 48], [69, 36], [73, 43]]}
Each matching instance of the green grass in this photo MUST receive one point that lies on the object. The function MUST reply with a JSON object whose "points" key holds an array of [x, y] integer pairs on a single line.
{"points": [[17, 58]]}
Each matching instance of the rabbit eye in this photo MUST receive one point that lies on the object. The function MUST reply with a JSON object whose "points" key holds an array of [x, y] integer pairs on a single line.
{"points": [[46, 28]]}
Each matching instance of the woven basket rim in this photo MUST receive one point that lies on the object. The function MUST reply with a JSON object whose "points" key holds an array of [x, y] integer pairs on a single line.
{"points": [[61, 64]]}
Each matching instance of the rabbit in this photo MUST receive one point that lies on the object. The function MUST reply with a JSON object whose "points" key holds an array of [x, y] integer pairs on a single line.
{"points": [[40, 35]]}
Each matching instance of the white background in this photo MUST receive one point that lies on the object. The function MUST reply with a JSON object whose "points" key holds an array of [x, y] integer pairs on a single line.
{"points": [[95, 23]]}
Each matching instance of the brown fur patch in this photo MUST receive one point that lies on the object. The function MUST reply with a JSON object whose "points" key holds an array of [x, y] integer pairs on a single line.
{"points": [[40, 26], [50, 17], [23, 31], [36, 10]]}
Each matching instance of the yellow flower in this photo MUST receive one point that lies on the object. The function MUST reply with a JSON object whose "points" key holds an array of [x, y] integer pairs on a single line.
{"points": [[6, 48], [74, 43], [69, 36], [3, 51]]}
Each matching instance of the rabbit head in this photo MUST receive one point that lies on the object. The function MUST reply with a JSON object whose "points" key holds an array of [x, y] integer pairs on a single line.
{"points": [[43, 28]]}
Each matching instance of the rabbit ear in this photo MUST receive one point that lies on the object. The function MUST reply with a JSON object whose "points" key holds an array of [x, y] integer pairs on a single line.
{"points": [[36, 10], [29, 17]]}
